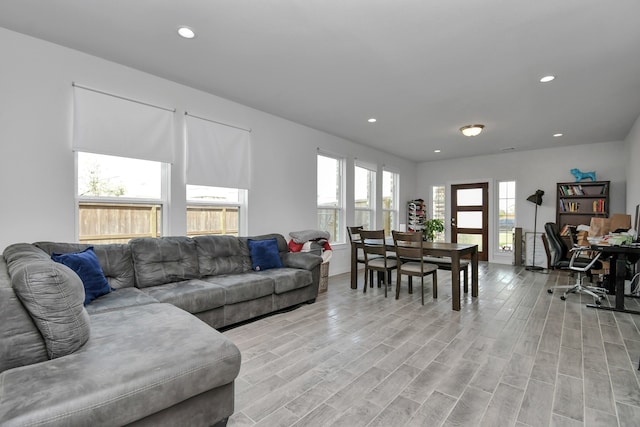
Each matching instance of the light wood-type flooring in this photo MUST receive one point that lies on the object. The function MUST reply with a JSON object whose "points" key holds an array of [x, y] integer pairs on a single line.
{"points": [[514, 356]]}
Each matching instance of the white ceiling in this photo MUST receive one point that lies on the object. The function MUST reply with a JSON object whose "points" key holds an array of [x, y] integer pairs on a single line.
{"points": [[423, 68]]}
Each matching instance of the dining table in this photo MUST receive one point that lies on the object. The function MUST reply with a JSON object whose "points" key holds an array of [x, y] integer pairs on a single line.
{"points": [[455, 251]]}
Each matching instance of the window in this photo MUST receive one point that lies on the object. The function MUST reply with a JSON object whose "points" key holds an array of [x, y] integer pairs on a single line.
{"points": [[390, 182], [330, 207], [438, 208], [364, 190], [119, 198], [214, 210], [506, 215]]}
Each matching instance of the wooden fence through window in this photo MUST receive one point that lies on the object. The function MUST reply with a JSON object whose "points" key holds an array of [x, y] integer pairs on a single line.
{"points": [[121, 222]]}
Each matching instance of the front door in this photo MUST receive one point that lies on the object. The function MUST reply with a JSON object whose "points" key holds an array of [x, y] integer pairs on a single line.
{"points": [[470, 216]]}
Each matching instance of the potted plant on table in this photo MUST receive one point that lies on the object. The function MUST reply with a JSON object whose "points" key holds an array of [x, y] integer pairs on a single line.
{"points": [[431, 227]]}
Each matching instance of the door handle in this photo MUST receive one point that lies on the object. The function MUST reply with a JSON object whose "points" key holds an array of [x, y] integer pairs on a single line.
{"points": [[453, 221]]}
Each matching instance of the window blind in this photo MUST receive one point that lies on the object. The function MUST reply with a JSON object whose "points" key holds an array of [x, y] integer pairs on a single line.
{"points": [[113, 125], [218, 155]]}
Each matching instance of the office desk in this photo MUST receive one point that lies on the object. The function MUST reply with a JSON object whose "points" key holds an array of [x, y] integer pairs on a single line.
{"points": [[453, 250], [618, 255]]}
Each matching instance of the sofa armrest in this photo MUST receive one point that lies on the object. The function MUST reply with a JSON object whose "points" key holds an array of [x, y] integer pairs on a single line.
{"points": [[303, 260]]}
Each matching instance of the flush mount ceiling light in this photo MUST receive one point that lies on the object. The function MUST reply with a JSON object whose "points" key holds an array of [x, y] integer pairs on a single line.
{"points": [[557, 135], [372, 120], [436, 151], [471, 130], [186, 32], [547, 79]]}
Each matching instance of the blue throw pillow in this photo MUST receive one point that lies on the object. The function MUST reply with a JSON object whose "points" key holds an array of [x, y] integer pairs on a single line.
{"points": [[87, 267], [264, 254]]}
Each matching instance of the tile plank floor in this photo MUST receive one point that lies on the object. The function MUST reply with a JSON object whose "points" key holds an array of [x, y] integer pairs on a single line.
{"points": [[514, 356]]}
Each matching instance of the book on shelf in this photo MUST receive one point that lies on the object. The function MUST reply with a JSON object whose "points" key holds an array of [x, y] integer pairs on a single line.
{"points": [[599, 206], [566, 206]]}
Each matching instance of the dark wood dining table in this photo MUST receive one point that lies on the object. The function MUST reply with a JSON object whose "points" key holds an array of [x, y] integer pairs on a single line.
{"points": [[455, 251]]}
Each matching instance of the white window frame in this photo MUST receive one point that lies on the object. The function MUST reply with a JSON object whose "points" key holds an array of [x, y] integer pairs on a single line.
{"points": [[439, 213], [163, 201], [241, 205], [340, 228], [512, 197], [371, 209], [394, 210]]}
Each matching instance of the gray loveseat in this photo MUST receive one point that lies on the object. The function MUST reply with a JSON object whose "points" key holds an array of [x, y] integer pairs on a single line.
{"points": [[146, 353]]}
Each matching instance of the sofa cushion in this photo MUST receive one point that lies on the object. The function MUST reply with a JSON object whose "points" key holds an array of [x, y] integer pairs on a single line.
{"points": [[288, 279], [264, 254], [115, 260], [19, 253], [219, 255], [244, 286], [20, 341], [140, 360], [53, 294], [193, 296], [85, 264], [157, 261], [119, 298]]}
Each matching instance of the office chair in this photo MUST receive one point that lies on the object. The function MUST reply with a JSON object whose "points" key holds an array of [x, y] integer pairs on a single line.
{"points": [[580, 265]]}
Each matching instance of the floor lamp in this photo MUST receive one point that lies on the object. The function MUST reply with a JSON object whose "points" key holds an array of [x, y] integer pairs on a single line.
{"points": [[535, 198]]}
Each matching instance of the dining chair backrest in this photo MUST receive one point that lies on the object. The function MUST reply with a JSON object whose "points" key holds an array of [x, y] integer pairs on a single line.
{"points": [[354, 232], [372, 243], [408, 244]]}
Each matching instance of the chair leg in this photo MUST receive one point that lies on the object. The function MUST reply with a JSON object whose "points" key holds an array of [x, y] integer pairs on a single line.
{"points": [[384, 283], [466, 279], [422, 288], [398, 280], [434, 277], [410, 284], [366, 277]]}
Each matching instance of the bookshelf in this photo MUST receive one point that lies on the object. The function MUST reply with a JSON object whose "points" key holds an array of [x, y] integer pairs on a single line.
{"points": [[578, 202], [416, 215]]}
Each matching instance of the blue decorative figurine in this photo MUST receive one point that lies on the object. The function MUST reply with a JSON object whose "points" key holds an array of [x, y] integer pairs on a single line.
{"points": [[582, 175]]}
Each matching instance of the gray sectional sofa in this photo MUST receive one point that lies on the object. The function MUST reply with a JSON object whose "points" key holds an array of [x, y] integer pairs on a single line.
{"points": [[147, 352]]}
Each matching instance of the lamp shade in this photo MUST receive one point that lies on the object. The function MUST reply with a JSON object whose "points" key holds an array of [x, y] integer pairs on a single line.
{"points": [[536, 197]]}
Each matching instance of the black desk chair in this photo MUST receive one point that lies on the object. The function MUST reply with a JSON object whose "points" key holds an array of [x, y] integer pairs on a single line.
{"points": [[577, 263]]}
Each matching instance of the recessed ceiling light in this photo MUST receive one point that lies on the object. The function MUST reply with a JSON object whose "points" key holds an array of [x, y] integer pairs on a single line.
{"points": [[372, 120], [547, 79], [436, 151], [557, 135], [186, 32]]}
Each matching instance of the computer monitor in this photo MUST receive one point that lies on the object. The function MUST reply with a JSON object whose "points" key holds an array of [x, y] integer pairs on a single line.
{"points": [[636, 224]]}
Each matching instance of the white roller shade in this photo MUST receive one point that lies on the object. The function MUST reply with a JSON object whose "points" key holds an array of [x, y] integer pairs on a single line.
{"points": [[218, 155], [108, 124]]}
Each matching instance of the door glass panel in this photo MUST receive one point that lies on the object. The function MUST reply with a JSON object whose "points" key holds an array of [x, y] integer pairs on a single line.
{"points": [[471, 239], [469, 197], [469, 220]]}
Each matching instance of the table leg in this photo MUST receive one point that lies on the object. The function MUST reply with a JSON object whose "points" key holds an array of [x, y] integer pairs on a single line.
{"points": [[354, 266], [619, 275], [455, 280], [474, 273]]}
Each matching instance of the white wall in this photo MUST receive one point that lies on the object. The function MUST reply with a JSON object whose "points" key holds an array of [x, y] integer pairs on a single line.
{"points": [[532, 170], [37, 164]]}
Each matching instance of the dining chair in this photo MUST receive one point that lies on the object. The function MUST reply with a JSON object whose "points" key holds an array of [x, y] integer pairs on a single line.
{"points": [[375, 257], [411, 262], [354, 235]]}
